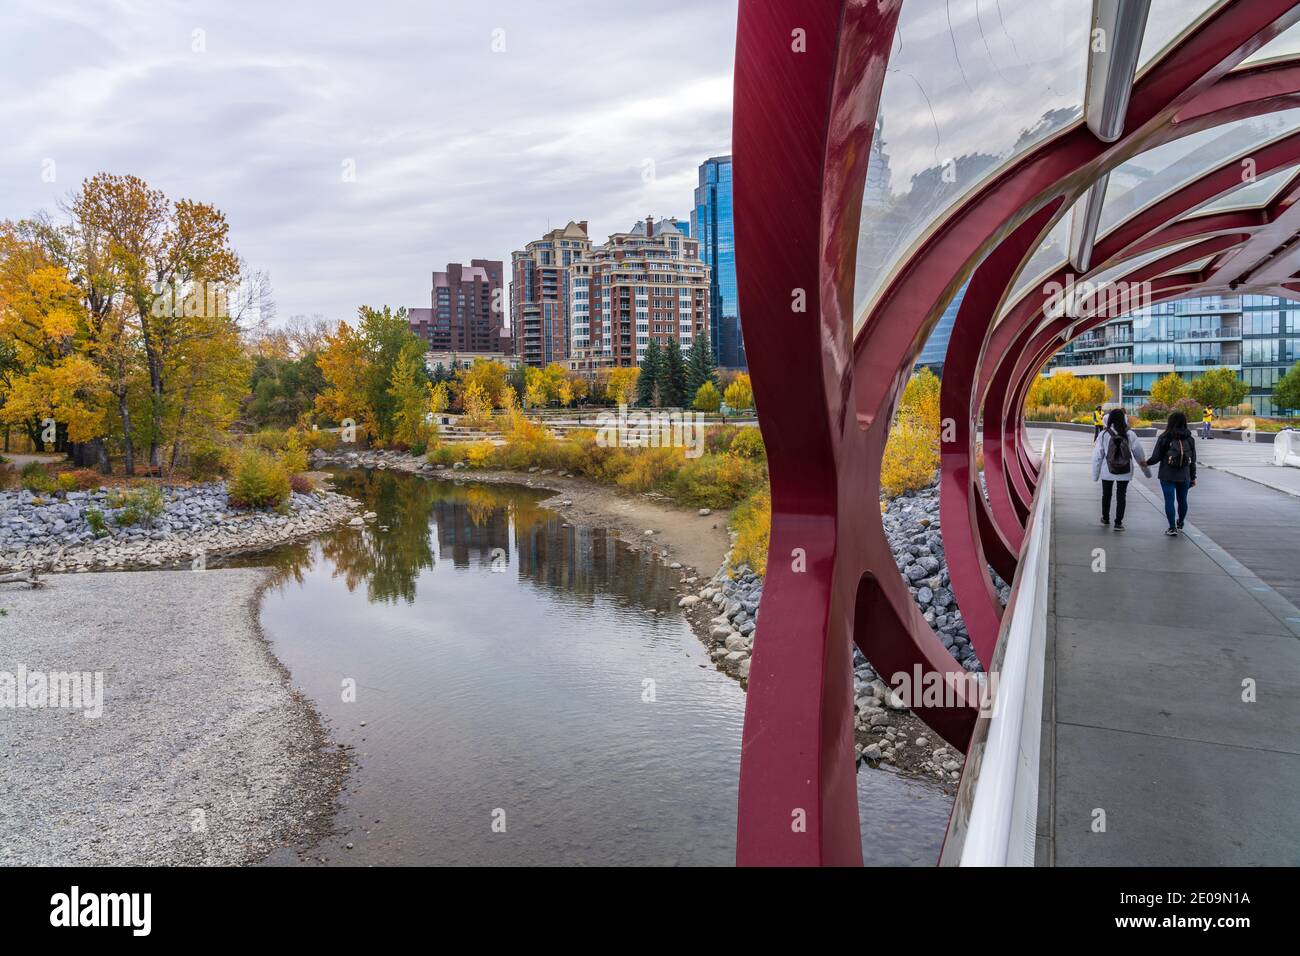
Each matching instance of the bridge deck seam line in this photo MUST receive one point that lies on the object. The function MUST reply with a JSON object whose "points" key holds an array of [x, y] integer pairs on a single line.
{"points": [[1190, 740], [1277, 606]]}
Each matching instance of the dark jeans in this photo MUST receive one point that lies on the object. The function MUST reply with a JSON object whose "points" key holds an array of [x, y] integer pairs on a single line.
{"points": [[1178, 490], [1121, 490]]}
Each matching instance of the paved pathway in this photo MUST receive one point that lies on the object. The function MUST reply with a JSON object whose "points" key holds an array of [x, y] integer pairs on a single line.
{"points": [[1144, 720]]}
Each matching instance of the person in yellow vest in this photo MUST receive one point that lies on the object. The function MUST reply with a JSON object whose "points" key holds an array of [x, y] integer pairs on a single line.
{"points": [[1098, 420], [1206, 421]]}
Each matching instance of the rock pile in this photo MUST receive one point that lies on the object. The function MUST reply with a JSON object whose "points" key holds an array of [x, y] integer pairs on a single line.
{"points": [[57, 534]]}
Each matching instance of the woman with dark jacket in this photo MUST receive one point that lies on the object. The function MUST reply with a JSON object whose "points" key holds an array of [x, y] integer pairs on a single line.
{"points": [[1175, 450]]}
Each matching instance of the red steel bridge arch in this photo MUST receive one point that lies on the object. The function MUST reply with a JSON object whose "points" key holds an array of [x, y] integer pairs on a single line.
{"points": [[804, 115]]}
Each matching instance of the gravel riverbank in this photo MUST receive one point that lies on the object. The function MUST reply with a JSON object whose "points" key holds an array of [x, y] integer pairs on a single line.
{"points": [[202, 755], [56, 534], [725, 615]]}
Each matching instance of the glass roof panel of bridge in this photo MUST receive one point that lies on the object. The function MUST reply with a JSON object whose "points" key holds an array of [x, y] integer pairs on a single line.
{"points": [[1094, 288], [1196, 266], [1050, 257], [1122, 268], [970, 87], [1251, 195], [1167, 21], [1151, 176]]}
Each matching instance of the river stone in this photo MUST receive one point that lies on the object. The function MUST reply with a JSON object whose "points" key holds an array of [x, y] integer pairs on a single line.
{"points": [[735, 642]]}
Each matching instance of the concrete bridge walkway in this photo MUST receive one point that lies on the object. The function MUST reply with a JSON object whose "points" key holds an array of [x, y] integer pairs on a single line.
{"points": [[1151, 756]]}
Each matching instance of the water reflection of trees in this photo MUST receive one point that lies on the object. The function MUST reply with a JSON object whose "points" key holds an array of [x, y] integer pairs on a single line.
{"points": [[475, 525]]}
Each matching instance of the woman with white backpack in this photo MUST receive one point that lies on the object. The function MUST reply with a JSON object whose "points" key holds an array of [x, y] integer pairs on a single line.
{"points": [[1114, 455]]}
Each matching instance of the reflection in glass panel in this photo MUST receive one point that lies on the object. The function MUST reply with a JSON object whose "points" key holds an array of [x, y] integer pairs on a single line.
{"points": [[1166, 22], [1050, 256], [1260, 192], [1196, 266], [970, 86], [1150, 176], [1288, 44]]}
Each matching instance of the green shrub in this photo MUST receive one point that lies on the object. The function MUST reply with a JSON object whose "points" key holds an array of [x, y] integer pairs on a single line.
{"points": [[752, 521], [66, 481], [270, 439], [95, 518], [322, 439], [258, 480], [715, 481], [294, 455], [748, 443], [142, 506], [718, 440], [207, 461], [649, 468], [36, 479], [446, 453]]}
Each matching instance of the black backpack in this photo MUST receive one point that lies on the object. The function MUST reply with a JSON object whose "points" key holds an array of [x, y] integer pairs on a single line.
{"points": [[1178, 455], [1119, 456]]}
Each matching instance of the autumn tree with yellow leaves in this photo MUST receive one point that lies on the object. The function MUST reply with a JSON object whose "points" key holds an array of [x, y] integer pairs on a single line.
{"points": [[118, 328]]}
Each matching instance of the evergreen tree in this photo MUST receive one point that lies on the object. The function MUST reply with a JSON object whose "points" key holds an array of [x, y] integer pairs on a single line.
{"points": [[699, 366], [647, 382], [672, 377]]}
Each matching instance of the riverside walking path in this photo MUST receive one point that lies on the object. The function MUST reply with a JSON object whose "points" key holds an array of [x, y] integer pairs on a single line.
{"points": [[1154, 752]]}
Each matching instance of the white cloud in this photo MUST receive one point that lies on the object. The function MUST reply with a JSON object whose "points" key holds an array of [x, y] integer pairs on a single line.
{"points": [[460, 152]]}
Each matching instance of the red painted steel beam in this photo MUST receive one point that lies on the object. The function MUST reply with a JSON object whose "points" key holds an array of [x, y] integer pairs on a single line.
{"points": [[801, 137], [960, 494]]}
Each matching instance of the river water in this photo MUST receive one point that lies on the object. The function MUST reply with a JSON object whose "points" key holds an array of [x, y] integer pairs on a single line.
{"points": [[512, 696]]}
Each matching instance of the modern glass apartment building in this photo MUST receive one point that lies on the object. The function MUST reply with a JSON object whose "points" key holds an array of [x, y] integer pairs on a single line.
{"points": [[1255, 335], [713, 226]]}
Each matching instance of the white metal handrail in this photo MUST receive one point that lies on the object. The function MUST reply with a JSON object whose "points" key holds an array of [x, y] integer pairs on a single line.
{"points": [[994, 820]]}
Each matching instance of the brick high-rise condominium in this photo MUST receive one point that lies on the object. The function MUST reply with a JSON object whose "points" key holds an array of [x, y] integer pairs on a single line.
{"points": [[540, 295], [648, 282], [593, 307], [467, 313]]}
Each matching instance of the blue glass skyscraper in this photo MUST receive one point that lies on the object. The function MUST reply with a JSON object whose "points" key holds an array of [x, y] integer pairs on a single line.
{"points": [[713, 226], [936, 346]]}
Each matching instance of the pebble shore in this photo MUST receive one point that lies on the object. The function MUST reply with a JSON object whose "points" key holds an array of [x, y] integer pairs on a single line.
{"points": [[52, 534]]}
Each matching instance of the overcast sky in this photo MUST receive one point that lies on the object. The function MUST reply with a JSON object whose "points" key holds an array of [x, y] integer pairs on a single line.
{"points": [[459, 151]]}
